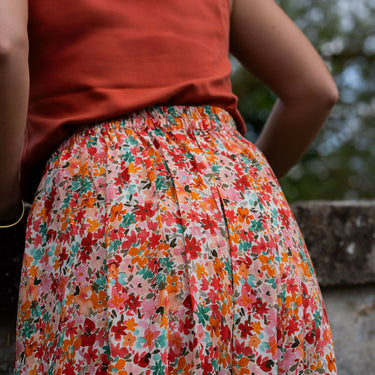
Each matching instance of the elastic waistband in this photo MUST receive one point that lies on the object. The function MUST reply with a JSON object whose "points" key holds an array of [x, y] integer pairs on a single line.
{"points": [[172, 118]]}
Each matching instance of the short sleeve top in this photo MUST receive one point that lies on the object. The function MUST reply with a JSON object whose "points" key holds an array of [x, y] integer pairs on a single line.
{"points": [[92, 60]]}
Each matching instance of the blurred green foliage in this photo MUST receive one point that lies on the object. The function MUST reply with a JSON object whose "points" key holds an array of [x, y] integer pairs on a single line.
{"points": [[340, 163]]}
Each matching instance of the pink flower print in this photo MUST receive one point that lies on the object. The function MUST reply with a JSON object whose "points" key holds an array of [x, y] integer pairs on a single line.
{"points": [[150, 335]]}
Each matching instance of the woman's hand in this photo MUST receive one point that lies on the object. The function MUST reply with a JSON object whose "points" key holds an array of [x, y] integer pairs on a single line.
{"points": [[11, 211], [10, 203], [272, 47]]}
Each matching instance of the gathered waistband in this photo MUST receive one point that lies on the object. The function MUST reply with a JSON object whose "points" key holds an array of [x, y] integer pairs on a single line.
{"points": [[172, 118]]}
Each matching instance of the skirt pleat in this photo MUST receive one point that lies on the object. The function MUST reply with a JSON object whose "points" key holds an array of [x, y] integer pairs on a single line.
{"points": [[160, 242]]}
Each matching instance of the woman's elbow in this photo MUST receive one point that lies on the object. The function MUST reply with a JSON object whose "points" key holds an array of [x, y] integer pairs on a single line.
{"points": [[323, 94], [13, 46], [330, 94]]}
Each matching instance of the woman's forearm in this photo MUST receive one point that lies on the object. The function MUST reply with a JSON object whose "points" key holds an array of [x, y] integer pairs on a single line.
{"points": [[291, 128], [14, 89], [284, 59]]}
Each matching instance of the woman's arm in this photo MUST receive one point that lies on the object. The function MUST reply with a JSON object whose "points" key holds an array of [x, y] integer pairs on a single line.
{"points": [[14, 95], [272, 47]]}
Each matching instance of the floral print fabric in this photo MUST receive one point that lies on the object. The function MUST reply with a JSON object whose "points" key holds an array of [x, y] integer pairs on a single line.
{"points": [[160, 243]]}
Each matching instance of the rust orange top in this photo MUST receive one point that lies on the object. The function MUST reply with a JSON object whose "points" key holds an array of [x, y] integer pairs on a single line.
{"points": [[94, 60]]}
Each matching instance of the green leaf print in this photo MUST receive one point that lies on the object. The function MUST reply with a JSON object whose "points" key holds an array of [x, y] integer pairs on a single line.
{"points": [[128, 218], [257, 225], [161, 341], [127, 156], [202, 314], [158, 369], [160, 183], [28, 329]]}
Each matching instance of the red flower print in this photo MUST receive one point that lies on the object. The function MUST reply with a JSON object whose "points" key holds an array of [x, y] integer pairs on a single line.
{"points": [[309, 337], [133, 303], [266, 188], [186, 325], [143, 234], [119, 350], [145, 211], [113, 235], [265, 364], [118, 330], [35, 226], [317, 333], [260, 308], [225, 333], [194, 216], [68, 369], [192, 247], [152, 225], [80, 216], [51, 235], [200, 167], [178, 157], [242, 348], [209, 224], [65, 236], [193, 344], [259, 246], [91, 355], [204, 283], [246, 329], [38, 240], [102, 370], [129, 240], [216, 282], [242, 182], [87, 242], [171, 359], [187, 302], [153, 264], [85, 253], [154, 240], [142, 359], [207, 366], [40, 352], [284, 218], [292, 326], [63, 255], [123, 177], [92, 150], [230, 216], [104, 359], [88, 338], [99, 233], [71, 328]]}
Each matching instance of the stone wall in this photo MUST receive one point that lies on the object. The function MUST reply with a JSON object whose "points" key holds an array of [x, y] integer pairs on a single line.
{"points": [[341, 240]]}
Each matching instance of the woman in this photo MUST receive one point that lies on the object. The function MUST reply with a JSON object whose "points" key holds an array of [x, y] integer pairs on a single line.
{"points": [[159, 240]]}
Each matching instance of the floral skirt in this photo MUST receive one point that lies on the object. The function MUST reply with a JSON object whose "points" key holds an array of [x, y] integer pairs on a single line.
{"points": [[160, 242]]}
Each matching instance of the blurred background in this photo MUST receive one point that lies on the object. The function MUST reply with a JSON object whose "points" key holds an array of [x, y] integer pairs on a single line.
{"points": [[340, 164]]}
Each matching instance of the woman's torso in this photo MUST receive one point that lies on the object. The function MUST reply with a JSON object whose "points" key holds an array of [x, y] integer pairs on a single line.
{"points": [[94, 60]]}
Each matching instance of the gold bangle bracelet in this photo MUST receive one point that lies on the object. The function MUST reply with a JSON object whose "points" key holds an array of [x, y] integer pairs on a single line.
{"points": [[12, 225]]}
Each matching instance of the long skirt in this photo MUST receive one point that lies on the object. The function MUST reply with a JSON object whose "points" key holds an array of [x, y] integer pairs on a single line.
{"points": [[160, 242]]}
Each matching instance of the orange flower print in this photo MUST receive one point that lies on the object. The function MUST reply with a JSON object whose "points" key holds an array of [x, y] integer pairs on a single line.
{"points": [[129, 339], [116, 212], [331, 362]]}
